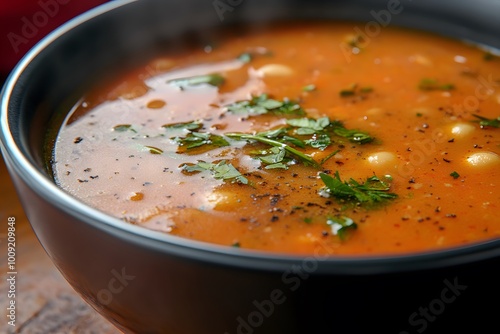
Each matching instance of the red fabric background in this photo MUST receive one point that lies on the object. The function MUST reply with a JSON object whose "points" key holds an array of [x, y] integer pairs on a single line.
{"points": [[24, 22]]}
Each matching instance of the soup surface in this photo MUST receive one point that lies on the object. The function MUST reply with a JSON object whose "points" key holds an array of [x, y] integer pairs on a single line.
{"points": [[298, 138]]}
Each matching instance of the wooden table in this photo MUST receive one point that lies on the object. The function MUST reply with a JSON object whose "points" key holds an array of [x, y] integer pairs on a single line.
{"points": [[45, 302]]}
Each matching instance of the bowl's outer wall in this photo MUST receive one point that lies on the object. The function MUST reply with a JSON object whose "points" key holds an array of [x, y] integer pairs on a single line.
{"points": [[143, 288]]}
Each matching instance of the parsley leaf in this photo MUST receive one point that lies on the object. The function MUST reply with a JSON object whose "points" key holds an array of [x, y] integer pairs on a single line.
{"points": [[154, 150], [354, 89], [220, 171], [308, 126], [198, 139], [341, 226], [309, 88], [194, 125], [433, 84], [211, 79], [455, 175], [123, 128], [355, 136], [261, 104], [373, 191], [306, 159], [484, 122], [274, 158]]}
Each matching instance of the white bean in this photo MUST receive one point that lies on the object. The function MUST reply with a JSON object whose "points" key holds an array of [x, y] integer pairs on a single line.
{"points": [[461, 130], [484, 159], [274, 70]]}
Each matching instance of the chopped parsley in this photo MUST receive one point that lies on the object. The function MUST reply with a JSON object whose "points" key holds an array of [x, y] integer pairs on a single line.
{"points": [[354, 90], [309, 88], [245, 57], [323, 125], [341, 226], [262, 104], [274, 158], [455, 175], [154, 150], [430, 84], [210, 79], [304, 158], [372, 192], [198, 139], [485, 122], [220, 171], [123, 128], [194, 125]]}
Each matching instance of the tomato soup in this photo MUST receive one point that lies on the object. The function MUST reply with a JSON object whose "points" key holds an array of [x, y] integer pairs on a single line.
{"points": [[298, 138]]}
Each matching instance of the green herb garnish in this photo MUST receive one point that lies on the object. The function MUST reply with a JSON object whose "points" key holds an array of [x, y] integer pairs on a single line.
{"points": [[354, 89], [211, 79], [433, 84], [355, 136], [274, 158], [341, 226], [455, 175], [261, 104], [373, 191], [198, 139], [308, 126], [123, 128], [220, 171], [309, 88], [306, 159], [484, 122], [154, 150], [245, 57], [194, 125]]}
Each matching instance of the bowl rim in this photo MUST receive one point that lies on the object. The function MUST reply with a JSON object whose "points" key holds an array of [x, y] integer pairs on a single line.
{"points": [[19, 164]]}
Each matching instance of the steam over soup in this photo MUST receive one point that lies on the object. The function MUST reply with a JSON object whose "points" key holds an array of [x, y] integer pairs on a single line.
{"points": [[300, 138]]}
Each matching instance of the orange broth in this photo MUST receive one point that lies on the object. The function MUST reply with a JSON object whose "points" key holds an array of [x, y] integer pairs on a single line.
{"points": [[415, 93]]}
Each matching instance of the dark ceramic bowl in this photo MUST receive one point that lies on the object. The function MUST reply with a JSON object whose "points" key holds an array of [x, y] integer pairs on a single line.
{"points": [[148, 282]]}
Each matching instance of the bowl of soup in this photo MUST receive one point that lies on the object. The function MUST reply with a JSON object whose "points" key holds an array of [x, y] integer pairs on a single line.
{"points": [[266, 166]]}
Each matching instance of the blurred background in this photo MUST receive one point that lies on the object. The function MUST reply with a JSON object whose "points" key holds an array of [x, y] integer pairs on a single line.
{"points": [[24, 22]]}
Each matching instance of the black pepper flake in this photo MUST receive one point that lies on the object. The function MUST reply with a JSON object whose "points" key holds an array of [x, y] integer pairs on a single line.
{"points": [[275, 218], [87, 169], [405, 218], [94, 177], [78, 140], [295, 174], [451, 140], [441, 228], [437, 209], [451, 215], [412, 180], [446, 160], [324, 233], [82, 181]]}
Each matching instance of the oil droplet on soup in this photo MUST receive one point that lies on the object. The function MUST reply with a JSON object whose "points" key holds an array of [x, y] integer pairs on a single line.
{"points": [[297, 139]]}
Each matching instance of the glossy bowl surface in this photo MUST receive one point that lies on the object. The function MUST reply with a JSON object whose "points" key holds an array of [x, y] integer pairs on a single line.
{"points": [[148, 282]]}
